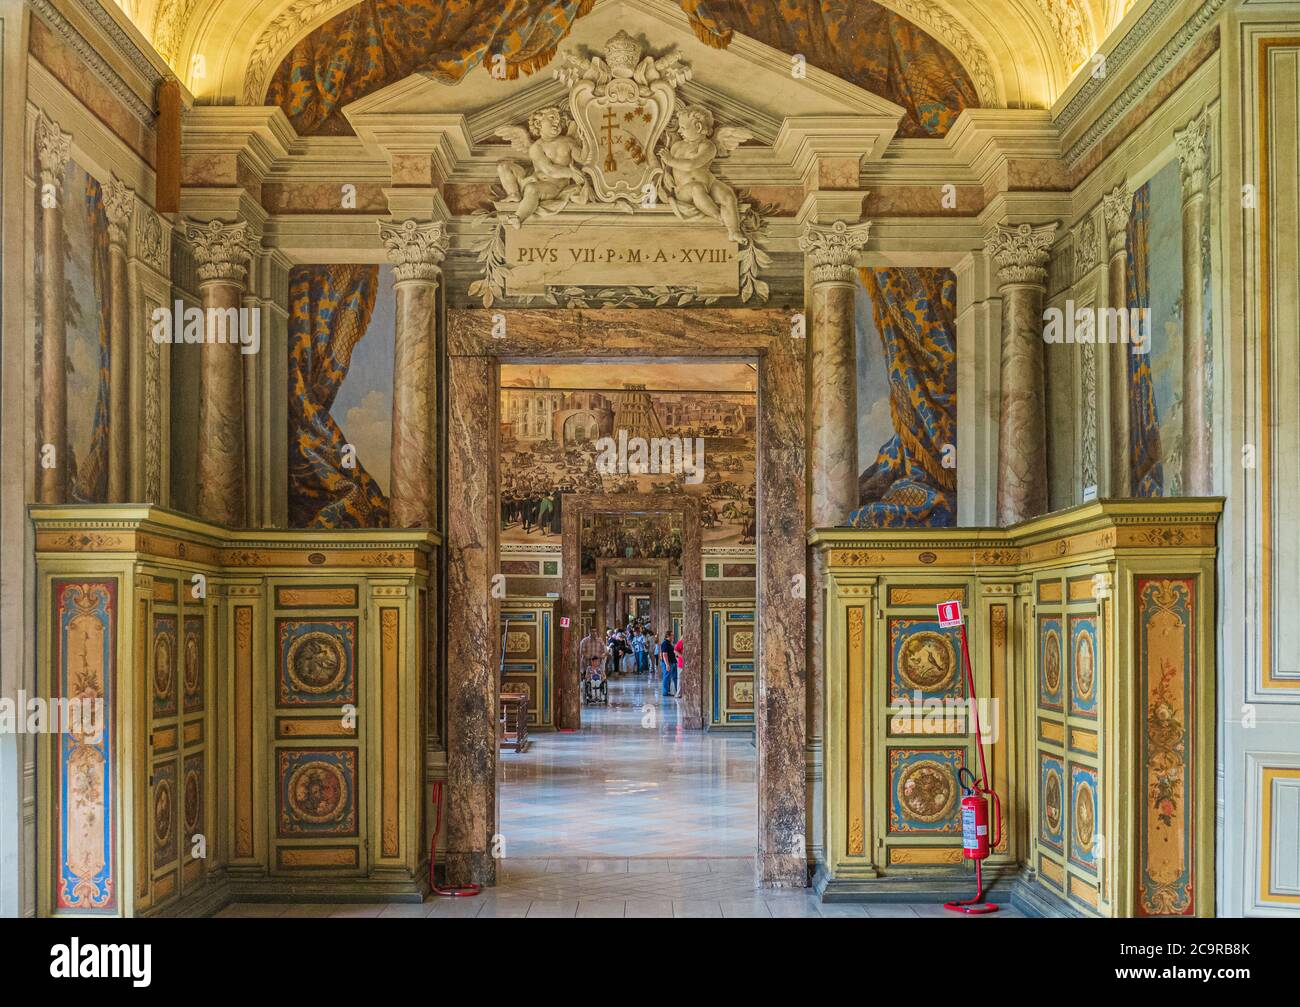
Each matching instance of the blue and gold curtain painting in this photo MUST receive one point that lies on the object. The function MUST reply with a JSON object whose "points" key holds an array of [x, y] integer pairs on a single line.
{"points": [[856, 40], [1144, 423], [329, 310], [909, 484], [379, 42], [89, 480]]}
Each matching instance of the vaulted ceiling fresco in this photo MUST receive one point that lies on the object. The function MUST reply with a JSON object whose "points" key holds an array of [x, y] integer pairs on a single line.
{"points": [[379, 42], [930, 56]]}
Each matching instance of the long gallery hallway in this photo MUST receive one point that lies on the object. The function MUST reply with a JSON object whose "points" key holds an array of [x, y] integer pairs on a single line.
{"points": [[631, 783]]}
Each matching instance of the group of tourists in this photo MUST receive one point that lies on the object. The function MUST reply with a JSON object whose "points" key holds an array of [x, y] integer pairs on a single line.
{"points": [[632, 650]]}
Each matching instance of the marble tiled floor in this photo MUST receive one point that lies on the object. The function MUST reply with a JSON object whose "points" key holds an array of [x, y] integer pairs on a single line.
{"points": [[631, 783], [630, 817]]}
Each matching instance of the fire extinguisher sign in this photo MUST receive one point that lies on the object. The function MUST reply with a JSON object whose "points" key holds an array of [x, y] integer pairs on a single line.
{"points": [[949, 614]]}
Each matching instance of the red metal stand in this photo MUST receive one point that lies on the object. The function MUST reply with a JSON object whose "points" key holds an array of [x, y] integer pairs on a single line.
{"points": [[456, 891]]}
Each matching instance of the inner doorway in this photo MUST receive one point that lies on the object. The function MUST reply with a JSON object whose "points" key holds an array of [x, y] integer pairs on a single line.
{"points": [[478, 343], [645, 462]]}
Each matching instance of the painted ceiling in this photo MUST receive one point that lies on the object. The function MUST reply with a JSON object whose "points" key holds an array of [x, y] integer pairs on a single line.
{"points": [[1005, 53]]}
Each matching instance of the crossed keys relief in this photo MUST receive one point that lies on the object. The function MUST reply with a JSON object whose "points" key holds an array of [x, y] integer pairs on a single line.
{"points": [[623, 139]]}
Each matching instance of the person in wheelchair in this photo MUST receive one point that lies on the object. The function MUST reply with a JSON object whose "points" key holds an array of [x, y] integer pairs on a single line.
{"points": [[595, 684]]}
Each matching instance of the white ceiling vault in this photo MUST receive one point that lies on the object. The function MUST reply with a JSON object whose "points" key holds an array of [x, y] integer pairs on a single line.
{"points": [[1019, 53]]}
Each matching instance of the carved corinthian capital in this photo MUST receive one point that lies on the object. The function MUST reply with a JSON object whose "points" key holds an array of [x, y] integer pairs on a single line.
{"points": [[1115, 207], [119, 205], [53, 148], [221, 250], [1022, 251], [416, 250], [834, 249], [1193, 143]]}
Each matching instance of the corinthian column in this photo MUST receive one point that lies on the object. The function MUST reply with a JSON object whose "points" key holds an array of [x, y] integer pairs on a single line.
{"points": [[1116, 207], [833, 401], [1021, 253], [53, 147], [119, 203], [222, 252], [1194, 155], [416, 251]]}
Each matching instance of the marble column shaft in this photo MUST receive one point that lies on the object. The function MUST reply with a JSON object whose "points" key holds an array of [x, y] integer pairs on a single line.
{"points": [[118, 206], [1193, 149], [1117, 206], [416, 250], [473, 615], [222, 252], [53, 148], [1022, 254]]}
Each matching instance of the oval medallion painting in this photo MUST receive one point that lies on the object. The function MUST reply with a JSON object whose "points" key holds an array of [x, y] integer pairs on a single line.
{"points": [[927, 661], [317, 792], [191, 663], [191, 801], [1084, 665], [927, 791], [1052, 801], [164, 665], [317, 662], [1083, 817], [1052, 661]]}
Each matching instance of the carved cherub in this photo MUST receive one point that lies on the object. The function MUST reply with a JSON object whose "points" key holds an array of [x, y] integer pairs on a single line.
{"points": [[689, 186], [556, 155]]}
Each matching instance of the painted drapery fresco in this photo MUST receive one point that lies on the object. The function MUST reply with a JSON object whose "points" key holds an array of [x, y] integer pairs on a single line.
{"points": [[856, 40], [558, 421], [379, 42], [330, 309], [86, 319], [1144, 419], [912, 479]]}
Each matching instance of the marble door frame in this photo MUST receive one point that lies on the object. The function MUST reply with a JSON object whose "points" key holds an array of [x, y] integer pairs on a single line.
{"points": [[577, 506], [614, 570], [477, 341]]}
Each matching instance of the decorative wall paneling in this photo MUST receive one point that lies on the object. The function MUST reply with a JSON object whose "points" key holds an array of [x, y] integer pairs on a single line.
{"points": [[528, 632], [730, 641], [1092, 641], [267, 704]]}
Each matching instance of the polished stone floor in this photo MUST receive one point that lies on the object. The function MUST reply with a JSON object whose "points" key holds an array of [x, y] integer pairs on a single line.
{"points": [[631, 817], [631, 783]]}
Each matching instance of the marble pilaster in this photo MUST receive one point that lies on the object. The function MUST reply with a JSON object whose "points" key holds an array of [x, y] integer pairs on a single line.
{"points": [[119, 203], [53, 148], [1021, 253], [473, 649], [1116, 207], [222, 252], [833, 418], [416, 251], [1193, 144]]}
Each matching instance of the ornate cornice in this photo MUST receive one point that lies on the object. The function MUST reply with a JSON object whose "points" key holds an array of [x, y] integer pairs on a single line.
{"points": [[53, 148], [1139, 34], [1193, 143], [834, 249], [1022, 251], [119, 205], [221, 250], [415, 249], [89, 55], [1115, 207]]}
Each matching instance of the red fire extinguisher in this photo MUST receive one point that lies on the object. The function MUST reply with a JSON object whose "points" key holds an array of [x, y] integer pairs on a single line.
{"points": [[975, 840]]}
